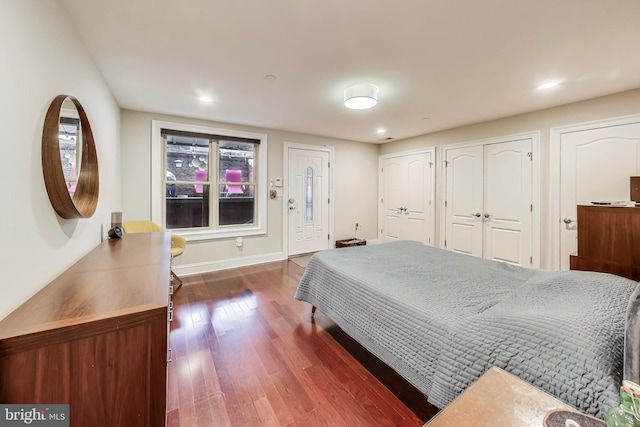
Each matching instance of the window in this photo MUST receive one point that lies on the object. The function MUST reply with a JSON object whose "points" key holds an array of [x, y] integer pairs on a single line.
{"points": [[211, 179]]}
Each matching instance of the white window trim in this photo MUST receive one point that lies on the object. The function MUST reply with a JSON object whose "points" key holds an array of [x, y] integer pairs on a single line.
{"points": [[158, 175]]}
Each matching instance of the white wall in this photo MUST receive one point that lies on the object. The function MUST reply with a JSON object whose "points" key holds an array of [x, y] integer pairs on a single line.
{"points": [[617, 105], [355, 191], [41, 57]]}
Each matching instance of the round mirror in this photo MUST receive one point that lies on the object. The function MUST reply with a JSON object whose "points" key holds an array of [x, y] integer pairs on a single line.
{"points": [[69, 160]]}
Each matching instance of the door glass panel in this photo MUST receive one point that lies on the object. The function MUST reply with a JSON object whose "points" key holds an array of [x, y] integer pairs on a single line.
{"points": [[309, 204]]}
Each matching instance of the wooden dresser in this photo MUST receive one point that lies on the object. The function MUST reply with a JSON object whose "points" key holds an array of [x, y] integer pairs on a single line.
{"points": [[608, 240], [96, 337]]}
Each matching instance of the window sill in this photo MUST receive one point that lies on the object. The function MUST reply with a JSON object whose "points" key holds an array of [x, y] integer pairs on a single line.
{"points": [[199, 235]]}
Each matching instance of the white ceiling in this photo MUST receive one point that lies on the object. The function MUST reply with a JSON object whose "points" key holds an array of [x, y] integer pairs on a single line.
{"points": [[438, 63]]}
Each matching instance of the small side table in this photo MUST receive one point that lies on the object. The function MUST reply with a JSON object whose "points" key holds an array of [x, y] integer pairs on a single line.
{"points": [[345, 243], [498, 399]]}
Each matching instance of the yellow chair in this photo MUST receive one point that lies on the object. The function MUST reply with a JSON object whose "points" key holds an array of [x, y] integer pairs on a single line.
{"points": [[178, 243]]}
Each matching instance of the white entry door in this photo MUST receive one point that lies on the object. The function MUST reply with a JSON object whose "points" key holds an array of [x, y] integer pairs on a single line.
{"points": [[595, 166], [308, 200], [488, 201], [406, 197]]}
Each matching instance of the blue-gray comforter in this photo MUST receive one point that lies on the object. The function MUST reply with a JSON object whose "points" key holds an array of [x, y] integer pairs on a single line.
{"points": [[442, 319]]}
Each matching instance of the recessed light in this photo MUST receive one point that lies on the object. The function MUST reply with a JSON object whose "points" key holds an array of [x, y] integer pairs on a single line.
{"points": [[205, 99], [381, 131], [548, 85]]}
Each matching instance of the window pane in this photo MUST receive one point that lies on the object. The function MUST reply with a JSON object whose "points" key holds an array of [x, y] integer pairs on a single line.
{"points": [[184, 211], [236, 205], [188, 160], [187, 205], [236, 161]]}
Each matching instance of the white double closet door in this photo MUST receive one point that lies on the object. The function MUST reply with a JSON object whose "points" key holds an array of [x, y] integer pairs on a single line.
{"points": [[488, 201], [407, 187]]}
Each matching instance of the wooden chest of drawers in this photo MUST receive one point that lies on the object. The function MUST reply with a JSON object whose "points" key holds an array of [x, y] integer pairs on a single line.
{"points": [[608, 240], [96, 337]]}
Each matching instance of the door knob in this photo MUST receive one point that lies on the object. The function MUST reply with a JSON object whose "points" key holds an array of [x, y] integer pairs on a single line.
{"points": [[487, 215]]}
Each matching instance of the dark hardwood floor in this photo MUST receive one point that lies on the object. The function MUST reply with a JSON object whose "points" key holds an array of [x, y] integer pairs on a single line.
{"points": [[245, 353]]}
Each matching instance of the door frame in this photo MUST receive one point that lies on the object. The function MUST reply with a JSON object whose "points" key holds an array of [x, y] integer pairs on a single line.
{"points": [[285, 188], [535, 179], [432, 172], [555, 141]]}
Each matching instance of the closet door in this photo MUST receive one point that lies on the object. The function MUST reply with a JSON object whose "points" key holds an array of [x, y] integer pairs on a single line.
{"points": [[406, 197], [464, 199], [508, 202], [488, 201], [418, 224], [393, 187], [595, 165]]}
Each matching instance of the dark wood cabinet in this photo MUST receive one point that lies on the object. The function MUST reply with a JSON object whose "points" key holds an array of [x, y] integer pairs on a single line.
{"points": [[96, 337], [608, 240]]}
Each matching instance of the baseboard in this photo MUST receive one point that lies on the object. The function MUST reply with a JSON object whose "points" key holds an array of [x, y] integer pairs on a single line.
{"points": [[209, 266]]}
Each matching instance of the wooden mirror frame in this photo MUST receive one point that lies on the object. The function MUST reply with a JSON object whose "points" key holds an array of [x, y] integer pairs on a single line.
{"points": [[85, 198]]}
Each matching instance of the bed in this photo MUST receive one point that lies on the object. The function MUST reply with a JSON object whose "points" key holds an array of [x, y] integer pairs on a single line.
{"points": [[441, 319]]}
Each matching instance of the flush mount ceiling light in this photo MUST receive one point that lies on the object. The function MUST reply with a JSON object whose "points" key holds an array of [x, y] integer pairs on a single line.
{"points": [[360, 96], [206, 99]]}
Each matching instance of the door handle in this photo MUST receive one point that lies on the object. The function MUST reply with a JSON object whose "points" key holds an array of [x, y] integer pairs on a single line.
{"points": [[477, 214], [291, 208], [568, 221]]}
